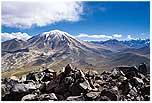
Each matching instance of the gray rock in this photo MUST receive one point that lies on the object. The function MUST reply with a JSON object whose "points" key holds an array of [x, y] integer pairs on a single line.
{"points": [[135, 81], [142, 68], [19, 88], [5, 89], [103, 98], [123, 84], [138, 80], [91, 73], [145, 90], [68, 69], [129, 71], [50, 96], [92, 95], [124, 87], [68, 80], [61, 89], [76, 90], [60, 97], [14, 78], [115, 73], [122, 78], [100, 82], [29, 97], [85, 85], [98, 77], [51, 85], [133, 93], [49, 71], [75, 98], [31, 76], [110, 94], [47, 77]]}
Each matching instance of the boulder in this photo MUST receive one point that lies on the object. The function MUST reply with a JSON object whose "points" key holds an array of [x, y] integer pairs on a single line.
{"points": [[60, 97], [76, 90], [98, 77], [129, 71], [122, 78], [75, 98], [115, 89], [106, 77], [23, 78], [141, 76], [145, 90], [138, 80], [49, 71], [5, 89], [135, 81], [100, 82], [47, 77], [29, 97], [91, 73], [92, 95], [67, 94], [21, 87], [122, 83], [106, 72], [61, 89], [51, 85], [142, 68], [146, 81], [68, 69], [46, 97], [103, 98], [77, 74], [68, 80], [110, 94], [14, 78], [42, 88], [124, 87], [91, 83], [85, 85], [31, 76], [115, 73]]}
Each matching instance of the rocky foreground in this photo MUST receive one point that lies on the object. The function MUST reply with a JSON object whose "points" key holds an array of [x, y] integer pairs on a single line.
{"points": [[121, 84]]}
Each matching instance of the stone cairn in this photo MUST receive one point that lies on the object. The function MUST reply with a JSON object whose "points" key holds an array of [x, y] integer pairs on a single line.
{"points": [[121, 84]]}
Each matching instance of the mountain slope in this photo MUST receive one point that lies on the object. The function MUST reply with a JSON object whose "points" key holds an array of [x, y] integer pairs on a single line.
{"points": [[12, 45], [53, 46], [56, 48], [122, 45]]}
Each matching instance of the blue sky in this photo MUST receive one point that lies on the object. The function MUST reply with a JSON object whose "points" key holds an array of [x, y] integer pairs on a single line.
{"points": [[86, 20]]}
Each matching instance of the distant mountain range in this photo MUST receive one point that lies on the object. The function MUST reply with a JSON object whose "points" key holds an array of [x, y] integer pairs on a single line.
{"points": [[55, 49], [139, 43]]}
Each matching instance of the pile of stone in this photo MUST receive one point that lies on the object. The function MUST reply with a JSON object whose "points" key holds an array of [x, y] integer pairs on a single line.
{"points": [[121, 84]]}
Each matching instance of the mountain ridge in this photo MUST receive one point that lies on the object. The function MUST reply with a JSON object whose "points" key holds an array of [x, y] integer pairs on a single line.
{"points": [[51, 47]]}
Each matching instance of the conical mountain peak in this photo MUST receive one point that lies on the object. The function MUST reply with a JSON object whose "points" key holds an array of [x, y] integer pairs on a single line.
{"points": [[55, 33]]}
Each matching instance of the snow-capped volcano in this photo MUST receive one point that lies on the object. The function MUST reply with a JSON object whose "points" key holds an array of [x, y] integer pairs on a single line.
{"points": [[56, 32], [58, 48], [55, 46], [54, 40]]}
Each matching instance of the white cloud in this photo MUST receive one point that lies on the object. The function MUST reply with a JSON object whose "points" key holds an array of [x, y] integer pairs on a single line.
{"points": [[18, 35], [129, 37], [26, 14], [87, 37], [117, 35]]}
